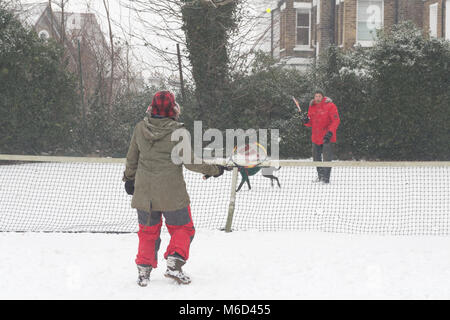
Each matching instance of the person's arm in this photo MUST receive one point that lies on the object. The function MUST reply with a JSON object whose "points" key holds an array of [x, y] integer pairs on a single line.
{"points": [[132, 160], [193, 163], [308, 116], [205, 169], [335, 119], [303, 117]]}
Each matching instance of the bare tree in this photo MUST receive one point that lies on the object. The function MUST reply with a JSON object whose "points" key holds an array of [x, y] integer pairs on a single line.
{"points": [[62, 4], [112, 60], [162, 20], [10, 4], [51, 20], [107, 66]]}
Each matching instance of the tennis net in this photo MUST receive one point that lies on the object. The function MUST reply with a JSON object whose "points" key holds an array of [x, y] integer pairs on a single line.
{"points": [[63, 194]]}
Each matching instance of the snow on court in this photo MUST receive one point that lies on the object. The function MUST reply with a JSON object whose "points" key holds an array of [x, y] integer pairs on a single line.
{"points": [[357, 256], [239, 265]]}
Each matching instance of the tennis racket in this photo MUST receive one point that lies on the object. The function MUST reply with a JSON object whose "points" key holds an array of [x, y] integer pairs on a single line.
{"points": [[249, 155], [297, 104], [246, 156]]}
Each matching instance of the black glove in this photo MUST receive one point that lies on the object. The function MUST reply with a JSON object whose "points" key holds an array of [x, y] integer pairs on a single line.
{"points": [[327, 137], [304, 117], [129, 187], [221, 171]]}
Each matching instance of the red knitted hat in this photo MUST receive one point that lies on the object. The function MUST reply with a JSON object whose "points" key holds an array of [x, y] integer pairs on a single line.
{"points": [[163, 104]]}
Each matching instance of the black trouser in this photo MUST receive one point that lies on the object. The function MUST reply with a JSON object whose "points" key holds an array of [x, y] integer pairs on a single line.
{"points": [[323, 152]]}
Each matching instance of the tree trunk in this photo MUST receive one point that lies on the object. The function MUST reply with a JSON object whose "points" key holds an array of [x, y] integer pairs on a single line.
{"points": [[207, 31]]}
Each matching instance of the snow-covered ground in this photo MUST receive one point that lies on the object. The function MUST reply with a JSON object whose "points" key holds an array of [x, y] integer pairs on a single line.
{"points": [[366, 235], [239, 265]]}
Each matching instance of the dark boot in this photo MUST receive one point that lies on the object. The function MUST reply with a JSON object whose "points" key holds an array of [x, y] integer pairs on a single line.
{"points": [[174, 270], [143, 275]]}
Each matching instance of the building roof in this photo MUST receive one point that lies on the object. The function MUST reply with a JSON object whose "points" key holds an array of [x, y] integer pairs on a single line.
{"points": [[30, 13], [75, 20], [81, 23]]}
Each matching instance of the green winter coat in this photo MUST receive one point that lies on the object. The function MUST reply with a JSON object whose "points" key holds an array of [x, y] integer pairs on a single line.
{"points": [[159, 183]]}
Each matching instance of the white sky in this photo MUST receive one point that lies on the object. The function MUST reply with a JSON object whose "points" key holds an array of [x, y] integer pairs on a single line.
{"points": [[126, 22]]}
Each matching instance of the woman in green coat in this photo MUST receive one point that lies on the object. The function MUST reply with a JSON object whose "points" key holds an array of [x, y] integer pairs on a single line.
{"points": [[158, 188]]}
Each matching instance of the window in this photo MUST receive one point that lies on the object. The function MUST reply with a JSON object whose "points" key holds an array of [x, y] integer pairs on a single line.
{"points": [[303, 27], [370, 18], [433, 20], [318, 11]]}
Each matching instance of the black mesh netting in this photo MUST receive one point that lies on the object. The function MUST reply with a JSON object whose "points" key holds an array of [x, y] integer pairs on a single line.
{"points": [[89, 197]]}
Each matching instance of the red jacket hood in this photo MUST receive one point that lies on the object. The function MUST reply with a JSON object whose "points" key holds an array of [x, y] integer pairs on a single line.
{"points": [[314, 102]]}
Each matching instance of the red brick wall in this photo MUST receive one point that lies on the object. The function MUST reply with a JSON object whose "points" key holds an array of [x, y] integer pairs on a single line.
{"points": [[411, 10], [290, 27], [350, 16], [407, 10], [325, 27], [389, 13], [345, 22]]}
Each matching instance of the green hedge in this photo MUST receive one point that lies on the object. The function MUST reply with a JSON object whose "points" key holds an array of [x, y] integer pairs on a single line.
{"points": [[38, 107], [393, 99]]}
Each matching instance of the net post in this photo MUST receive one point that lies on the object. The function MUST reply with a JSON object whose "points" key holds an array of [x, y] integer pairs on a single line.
{"points": [[232, 200]]}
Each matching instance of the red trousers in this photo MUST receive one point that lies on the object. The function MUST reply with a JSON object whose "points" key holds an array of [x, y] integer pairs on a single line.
{"points": [[181, 229]]}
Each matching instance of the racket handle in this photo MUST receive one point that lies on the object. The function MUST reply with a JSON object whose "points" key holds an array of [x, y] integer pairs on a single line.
{"points": [[297, 104]]}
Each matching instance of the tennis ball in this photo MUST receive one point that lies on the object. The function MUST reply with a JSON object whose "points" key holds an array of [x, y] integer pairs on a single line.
{"points": [[268, 10]]}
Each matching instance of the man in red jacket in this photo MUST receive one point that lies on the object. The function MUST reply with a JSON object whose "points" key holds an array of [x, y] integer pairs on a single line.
{"points": [[323, 118]]}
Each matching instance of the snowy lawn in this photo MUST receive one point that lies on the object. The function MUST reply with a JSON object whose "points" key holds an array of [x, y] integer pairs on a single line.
{"points": [[240, 265]]}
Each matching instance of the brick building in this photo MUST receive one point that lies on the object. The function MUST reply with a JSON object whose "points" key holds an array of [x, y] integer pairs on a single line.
{"points": [[302, 29], [68, 29]]}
